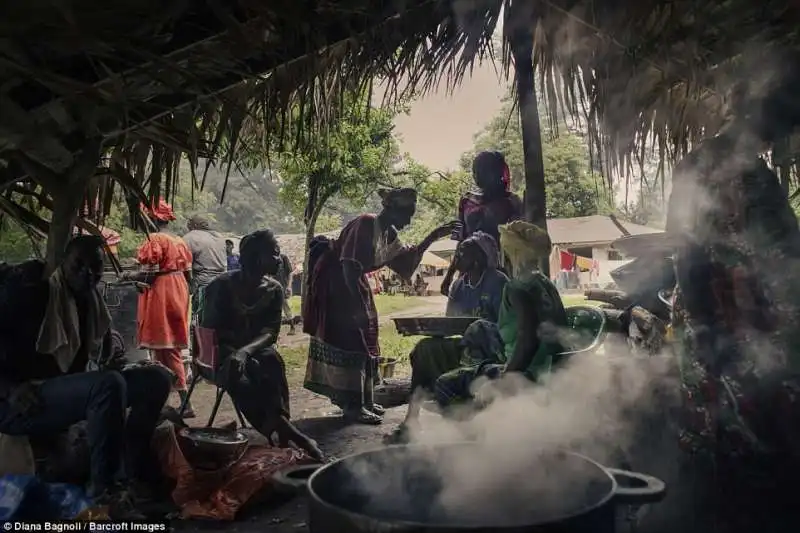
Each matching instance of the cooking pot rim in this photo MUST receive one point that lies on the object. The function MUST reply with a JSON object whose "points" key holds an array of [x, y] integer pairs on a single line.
{"points": [[605, 500]]}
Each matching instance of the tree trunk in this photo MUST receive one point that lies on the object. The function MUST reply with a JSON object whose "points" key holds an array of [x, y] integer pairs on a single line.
{"points": [[535, 198], [66, 204], [310, 229], [67, 191]]}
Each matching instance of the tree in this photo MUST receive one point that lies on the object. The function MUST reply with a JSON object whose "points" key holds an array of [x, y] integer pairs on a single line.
{"points": [[572, 189], [251, 202], [356, 154], [438, 196]]}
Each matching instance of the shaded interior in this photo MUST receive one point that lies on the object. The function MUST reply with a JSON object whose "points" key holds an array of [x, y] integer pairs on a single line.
{"points": [[396, 484]]}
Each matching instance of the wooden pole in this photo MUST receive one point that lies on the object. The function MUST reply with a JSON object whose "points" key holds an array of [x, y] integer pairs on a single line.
{"points": [[67, 191]]}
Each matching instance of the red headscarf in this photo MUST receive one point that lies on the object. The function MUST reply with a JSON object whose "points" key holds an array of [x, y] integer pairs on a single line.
{"points": [[506, 176], [163, 211]]}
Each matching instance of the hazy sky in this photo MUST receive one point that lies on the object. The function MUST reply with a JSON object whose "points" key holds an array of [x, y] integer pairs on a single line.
{"points": [[441, 126]]}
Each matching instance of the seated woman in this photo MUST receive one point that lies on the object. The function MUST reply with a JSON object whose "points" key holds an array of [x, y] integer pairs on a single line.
{"points": [[244, 307], [476, 293], [528, 326]]}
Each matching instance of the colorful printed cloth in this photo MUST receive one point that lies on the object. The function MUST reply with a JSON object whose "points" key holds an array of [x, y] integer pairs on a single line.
{"points": [[28, 498], [343, 326]]}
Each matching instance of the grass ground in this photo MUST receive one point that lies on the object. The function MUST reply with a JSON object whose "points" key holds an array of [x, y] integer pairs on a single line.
{"points": [[386, 304], [392, 343]]}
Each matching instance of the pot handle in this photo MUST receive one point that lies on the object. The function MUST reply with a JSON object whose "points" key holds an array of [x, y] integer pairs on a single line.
{"points": [[636, 489], [288, 480]]}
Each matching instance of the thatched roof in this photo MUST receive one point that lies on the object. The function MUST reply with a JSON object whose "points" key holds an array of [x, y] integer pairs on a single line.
{"points": [[155, 79]]}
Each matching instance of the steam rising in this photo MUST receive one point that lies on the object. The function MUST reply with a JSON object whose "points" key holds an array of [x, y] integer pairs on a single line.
{"points": [[593, 405], [600, 405]]}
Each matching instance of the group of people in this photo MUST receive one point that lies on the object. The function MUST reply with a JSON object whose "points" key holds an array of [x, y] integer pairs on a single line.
{"points": [[62, 363], [177, 271], [58, 321], [517, 320]]}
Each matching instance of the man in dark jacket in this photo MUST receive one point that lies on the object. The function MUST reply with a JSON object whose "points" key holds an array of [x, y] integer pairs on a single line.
{"points": [[52, 327]]}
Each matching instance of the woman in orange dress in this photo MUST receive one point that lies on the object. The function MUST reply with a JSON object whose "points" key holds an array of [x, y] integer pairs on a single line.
{"points": [[163, 316]]}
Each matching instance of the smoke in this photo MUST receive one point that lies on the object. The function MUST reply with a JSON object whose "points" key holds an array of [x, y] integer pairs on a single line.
{"points": [[605, 405], [596, 405]]}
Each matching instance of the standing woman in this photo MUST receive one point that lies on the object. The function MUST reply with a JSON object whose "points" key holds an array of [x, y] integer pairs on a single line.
{"points": [[339, 311], [165, 262], [488, 206]]}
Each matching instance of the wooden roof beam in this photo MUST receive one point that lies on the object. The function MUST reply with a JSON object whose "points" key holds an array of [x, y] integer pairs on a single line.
{"points": [[20, 131], [257, 66]]}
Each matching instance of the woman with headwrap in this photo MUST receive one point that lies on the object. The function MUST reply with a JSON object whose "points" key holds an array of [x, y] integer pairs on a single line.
{"points": [[244, 309], [487, 207], [476, 293], [526, 337], [163, 316], [339, 311]]}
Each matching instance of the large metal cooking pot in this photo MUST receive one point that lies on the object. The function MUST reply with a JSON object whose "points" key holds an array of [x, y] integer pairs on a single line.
{"points": [[406, 491]]}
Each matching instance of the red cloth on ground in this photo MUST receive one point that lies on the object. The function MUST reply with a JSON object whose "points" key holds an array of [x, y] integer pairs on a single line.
{"points": [[218, 495], [163, 315]]}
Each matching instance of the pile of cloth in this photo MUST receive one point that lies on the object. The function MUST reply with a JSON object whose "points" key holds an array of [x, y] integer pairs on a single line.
{"points": [[220, 494]]}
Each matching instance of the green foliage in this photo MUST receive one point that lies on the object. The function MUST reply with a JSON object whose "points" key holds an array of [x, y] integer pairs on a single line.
{"points": [[15, 245], [649, 209], [118, 220], [251, 203], [355, 157], [572, 189], [439, 195], [328, 222]]}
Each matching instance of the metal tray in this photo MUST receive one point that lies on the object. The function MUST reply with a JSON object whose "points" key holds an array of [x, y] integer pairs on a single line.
{"points": [[433, 326]]}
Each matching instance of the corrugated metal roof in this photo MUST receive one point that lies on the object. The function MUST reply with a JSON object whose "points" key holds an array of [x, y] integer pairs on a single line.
{"points": [[575, 231], [591, 229]]}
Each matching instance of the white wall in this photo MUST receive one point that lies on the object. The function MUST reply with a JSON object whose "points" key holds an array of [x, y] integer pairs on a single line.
{"points": [[600, 253]]}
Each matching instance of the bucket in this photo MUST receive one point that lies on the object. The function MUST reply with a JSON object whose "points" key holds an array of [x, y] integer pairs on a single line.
{"points": [[386, 367], [122, 300]]}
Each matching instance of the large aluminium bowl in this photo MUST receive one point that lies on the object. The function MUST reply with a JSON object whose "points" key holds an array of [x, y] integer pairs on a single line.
{"points": [[433, 326], [407, 489]]}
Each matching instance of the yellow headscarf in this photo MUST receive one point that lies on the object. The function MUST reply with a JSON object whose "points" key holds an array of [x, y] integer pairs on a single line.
{"points": [[524, 243]]}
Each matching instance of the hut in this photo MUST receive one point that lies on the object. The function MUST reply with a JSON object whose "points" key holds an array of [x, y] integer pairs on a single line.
{"points": [[97, 96]]}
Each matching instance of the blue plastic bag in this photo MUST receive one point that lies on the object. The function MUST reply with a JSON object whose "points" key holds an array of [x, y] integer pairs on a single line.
{"points": [[29, 498]]}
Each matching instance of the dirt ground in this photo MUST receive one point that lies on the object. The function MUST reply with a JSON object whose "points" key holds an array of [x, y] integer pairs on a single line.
{"points": [[318, 419]]}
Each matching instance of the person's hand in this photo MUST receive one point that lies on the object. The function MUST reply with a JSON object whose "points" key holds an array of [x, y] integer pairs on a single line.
{"points": [[445, 288], [116, 361], [445, 230], [24, 399], [238, 362], [313, 450], [124, 275]]}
